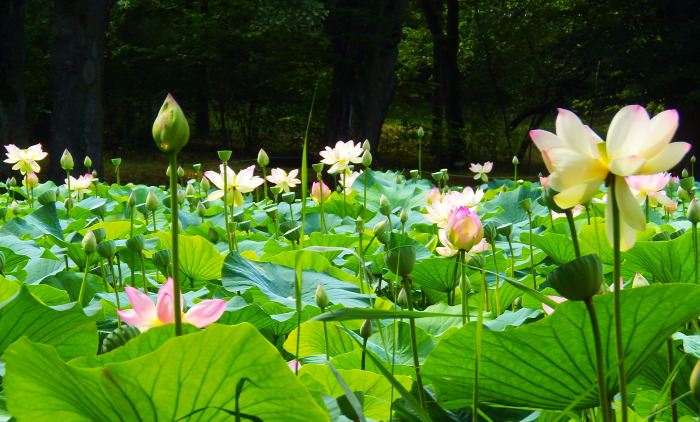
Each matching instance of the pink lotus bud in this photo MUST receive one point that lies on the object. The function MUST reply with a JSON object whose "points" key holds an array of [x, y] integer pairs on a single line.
{"points": [[463, 229], [316, 192]]}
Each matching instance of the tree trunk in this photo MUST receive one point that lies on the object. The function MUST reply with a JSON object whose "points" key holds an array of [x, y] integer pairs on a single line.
{"points": [[77, 69], [364, 40], [13, 129]]}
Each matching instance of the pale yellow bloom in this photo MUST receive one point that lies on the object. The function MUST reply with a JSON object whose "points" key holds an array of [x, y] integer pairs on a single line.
{"points": [[25, 160]]}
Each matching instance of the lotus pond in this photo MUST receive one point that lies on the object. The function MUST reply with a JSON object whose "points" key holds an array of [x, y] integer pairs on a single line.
{"points": [[384, 297]]}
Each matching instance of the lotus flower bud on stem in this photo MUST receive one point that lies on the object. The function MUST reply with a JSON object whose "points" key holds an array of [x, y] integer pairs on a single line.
{"points": [[170, 129], [367, 159], [321, 297], [132, 199], [420, 132], [380, 228], [402, 300], [87, 162], [695, 381], [204, 184], [180, 171], [366, 329], [201, 209], [151, 202], [384, 206], [15, 208], [684, 173], [67, 161], [693, 213], [263, 159], [89, 243]]}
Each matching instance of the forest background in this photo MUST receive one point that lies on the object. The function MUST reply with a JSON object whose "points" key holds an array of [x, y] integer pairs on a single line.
{"points": [[90, 75]]}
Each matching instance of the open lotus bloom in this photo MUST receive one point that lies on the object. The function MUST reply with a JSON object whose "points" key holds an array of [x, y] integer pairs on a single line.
{"points": [[442, 205], [280, 178], [347, 184], [580, 161], [650, 186], [144, 314], [340, 157], [80, 185], [243, 182], [481, 171], [25, 160]]}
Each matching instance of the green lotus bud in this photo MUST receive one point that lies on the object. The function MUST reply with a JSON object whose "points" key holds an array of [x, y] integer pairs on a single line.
{"points": [[11, 182], [204, 184], [548, 194], [516, 161], [688, 183], [359, 224], [168, 171], [693, 213], [505, 230], [321, 297], [684, 174], [402, 299], [271, 211], [94, 174], [400, 260], [437, 175], [201, 209], [289, 197], [579, 279], [107, 249], [196, 167], [518, 302], [490, 231], [692, 160], [89, 242], [99, 210], [403, 216], [384, 206], [3, 213], [695, 381], [132, 199], [170, 129], [47, 197], [190, 192], [366, 329], [245, 226], [15, 208], [213, 235], [151, 201], [291, 230], [116, 162], [367, 159], [136, 243], [87, 162], [67, 160], [180, 197], [224, 155], [380, 228], [640, 281], [180, 171], [414, 173], [263, 159], [100, 234], [366, 145], [162, 259], [68, 203], [682, 194], [526, 204], [420, 132]]}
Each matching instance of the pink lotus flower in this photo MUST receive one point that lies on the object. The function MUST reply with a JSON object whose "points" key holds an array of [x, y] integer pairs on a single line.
{"points": [[144, 314], [481, 171], [32, 179], [294, 365], [316, 192], [80, 185], [548, 309], [340, 157], [25, 160], [671, 208], [650, 186], [243, 182], [576, 211], [440, 209], [350, 180], [463, 231], [433, 196], [544, 181], [280, 178]]}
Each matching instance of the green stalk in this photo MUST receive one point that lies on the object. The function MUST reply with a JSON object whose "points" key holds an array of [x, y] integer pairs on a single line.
{"points": [[477, 355], [532, 262], [143, 274], [104, 274], [365, 193], [463, 286], [512, 257], [420, 157], [155, 230], [116, 289], [68, 185], [324, 230], [672, 386], [228, 236], [498, 281], [617, 309], [572, 229], [600, 369], [131, 234], [174, 225], [646, 209], [325, 335], [83, 286], [364, 352], [486, 288], [359, 263], [265, 183], [515, 175], [118, 175], [414, 346], [345, 202], [695, 249]]}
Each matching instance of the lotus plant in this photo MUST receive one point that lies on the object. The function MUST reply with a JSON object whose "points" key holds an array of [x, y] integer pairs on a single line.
{"points": [[79, 186], [649, 189], [280, 178], [145, 314], [340, 158], [481, 170], [579, 161]]}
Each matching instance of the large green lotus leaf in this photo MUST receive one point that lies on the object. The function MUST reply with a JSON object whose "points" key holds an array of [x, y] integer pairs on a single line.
{"points": [[594, 239], [285, 319], [313, 340], [549, 363], [353, 360], [350, 207], [557, 246], [69, 329], [70, 283], [42, 221], [82, 209], [186, 374], [309, 261], [669, 261], [505, 208], [47, 295], [276, 282], [401, 353], [376, 388], [332, 240], [407, 196], [117, 229], [198, 259]]}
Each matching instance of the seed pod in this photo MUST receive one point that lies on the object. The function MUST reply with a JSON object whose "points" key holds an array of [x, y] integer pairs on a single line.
{"points": [[318, 167], [579, 279], [196, 167], [505, 230], [224, 155], [119, 337], [526, 204], [162, 259], [107, 249], [47, 197], [359, 224], [100, 234], [136, 243], [99, 210], [289, 197], [116, 162]]}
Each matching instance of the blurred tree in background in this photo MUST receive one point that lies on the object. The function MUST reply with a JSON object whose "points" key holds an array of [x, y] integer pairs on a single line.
{"points": [[477, 75]]}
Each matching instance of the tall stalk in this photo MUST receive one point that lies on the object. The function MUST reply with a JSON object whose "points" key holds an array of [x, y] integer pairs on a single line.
{"points": [[174, 226], [228, 236], [414, 345], [465, 286], [617, 307], [498, 279], [572, 228], [600, 369], [477, 354], [532, 255]]}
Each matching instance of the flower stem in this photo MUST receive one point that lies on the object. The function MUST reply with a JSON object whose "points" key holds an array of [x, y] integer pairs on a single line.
{"points": [[532, 262], [116, 289], [414, 346], [498, 279], [646, 209], [68, 185], [672, 389], [143, 274], [83, 286], [364, 351], [619, 347], [464, 287], [174, 226], [600, 369], [228, 236], [477, 356], [572, 229], [364, 211], [265, 183], [512, 257], [695, 250], [325, 334], [486, 288]]}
